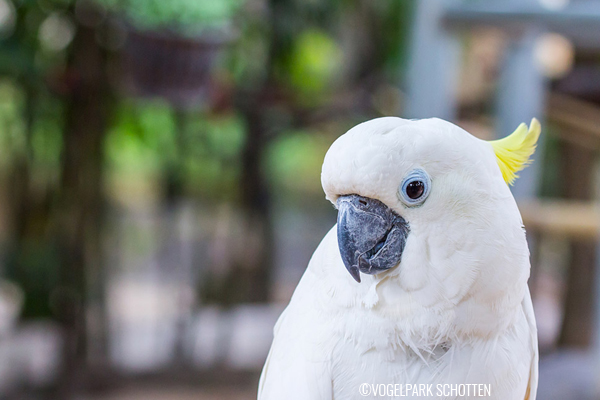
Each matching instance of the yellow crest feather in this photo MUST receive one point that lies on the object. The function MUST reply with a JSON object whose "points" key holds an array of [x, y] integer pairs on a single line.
{"points": [[513, 153]]}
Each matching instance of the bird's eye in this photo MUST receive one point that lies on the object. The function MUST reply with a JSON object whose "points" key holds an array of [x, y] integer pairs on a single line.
{"points": [[415, 188]]}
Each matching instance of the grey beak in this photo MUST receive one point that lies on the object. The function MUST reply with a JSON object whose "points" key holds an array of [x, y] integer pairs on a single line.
{"points": [[371, 237]]}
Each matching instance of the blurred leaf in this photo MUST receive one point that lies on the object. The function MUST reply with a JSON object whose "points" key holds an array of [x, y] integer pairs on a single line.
{"points": [[46, 140], [12, 130], [315, 61], [294, 162], [145, 143], [212, 157], [186, 16]]}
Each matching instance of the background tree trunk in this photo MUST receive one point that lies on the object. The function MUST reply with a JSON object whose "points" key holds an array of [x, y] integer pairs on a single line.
{"points": [[81, 196], [577, 324]]}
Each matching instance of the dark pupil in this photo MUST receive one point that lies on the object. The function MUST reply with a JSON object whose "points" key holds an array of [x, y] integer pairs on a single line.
{"points": [[415, 189]]}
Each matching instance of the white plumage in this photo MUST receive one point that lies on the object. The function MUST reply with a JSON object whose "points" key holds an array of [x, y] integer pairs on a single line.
{"points": [[456, 310]]}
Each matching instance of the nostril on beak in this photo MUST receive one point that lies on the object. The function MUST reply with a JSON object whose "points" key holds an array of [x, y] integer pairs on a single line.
{"points": [[363, 202]]}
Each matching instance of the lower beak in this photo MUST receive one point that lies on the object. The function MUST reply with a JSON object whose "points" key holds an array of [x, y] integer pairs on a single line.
{"points": [[371, 237]]}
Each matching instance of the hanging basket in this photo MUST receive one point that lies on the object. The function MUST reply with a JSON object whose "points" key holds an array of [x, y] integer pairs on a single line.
{"points": [[167, 65]]}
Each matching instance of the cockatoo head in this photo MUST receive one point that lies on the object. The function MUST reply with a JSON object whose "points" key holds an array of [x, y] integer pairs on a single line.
{"points": [[427, 201]]}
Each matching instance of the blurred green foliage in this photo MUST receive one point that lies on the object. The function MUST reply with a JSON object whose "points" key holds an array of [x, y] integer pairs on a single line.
{"points": [[44, 144], [293, 55], [188, 17], [212, 163], [294, 163], [146, 142], [145, 139], [315, 63], [141, 140], [33, 261], [35, 268], [12, 137]]}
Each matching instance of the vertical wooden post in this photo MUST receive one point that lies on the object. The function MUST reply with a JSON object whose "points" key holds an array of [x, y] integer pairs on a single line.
{"points": [[433, 66], [577, 325], [521, 93]]}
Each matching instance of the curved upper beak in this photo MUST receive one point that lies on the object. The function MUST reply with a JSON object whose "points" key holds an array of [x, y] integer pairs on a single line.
{"points": [[371, 237]]}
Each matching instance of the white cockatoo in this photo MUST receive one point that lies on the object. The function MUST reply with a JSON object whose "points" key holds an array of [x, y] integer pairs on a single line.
{"points": [[423, 281]]}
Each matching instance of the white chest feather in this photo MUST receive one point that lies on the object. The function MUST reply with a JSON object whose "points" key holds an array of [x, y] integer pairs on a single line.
{"points": [[337, 334]]}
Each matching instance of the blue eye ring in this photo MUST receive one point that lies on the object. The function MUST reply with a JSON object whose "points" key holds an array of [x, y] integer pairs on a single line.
{"points": [[415, 188]]}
